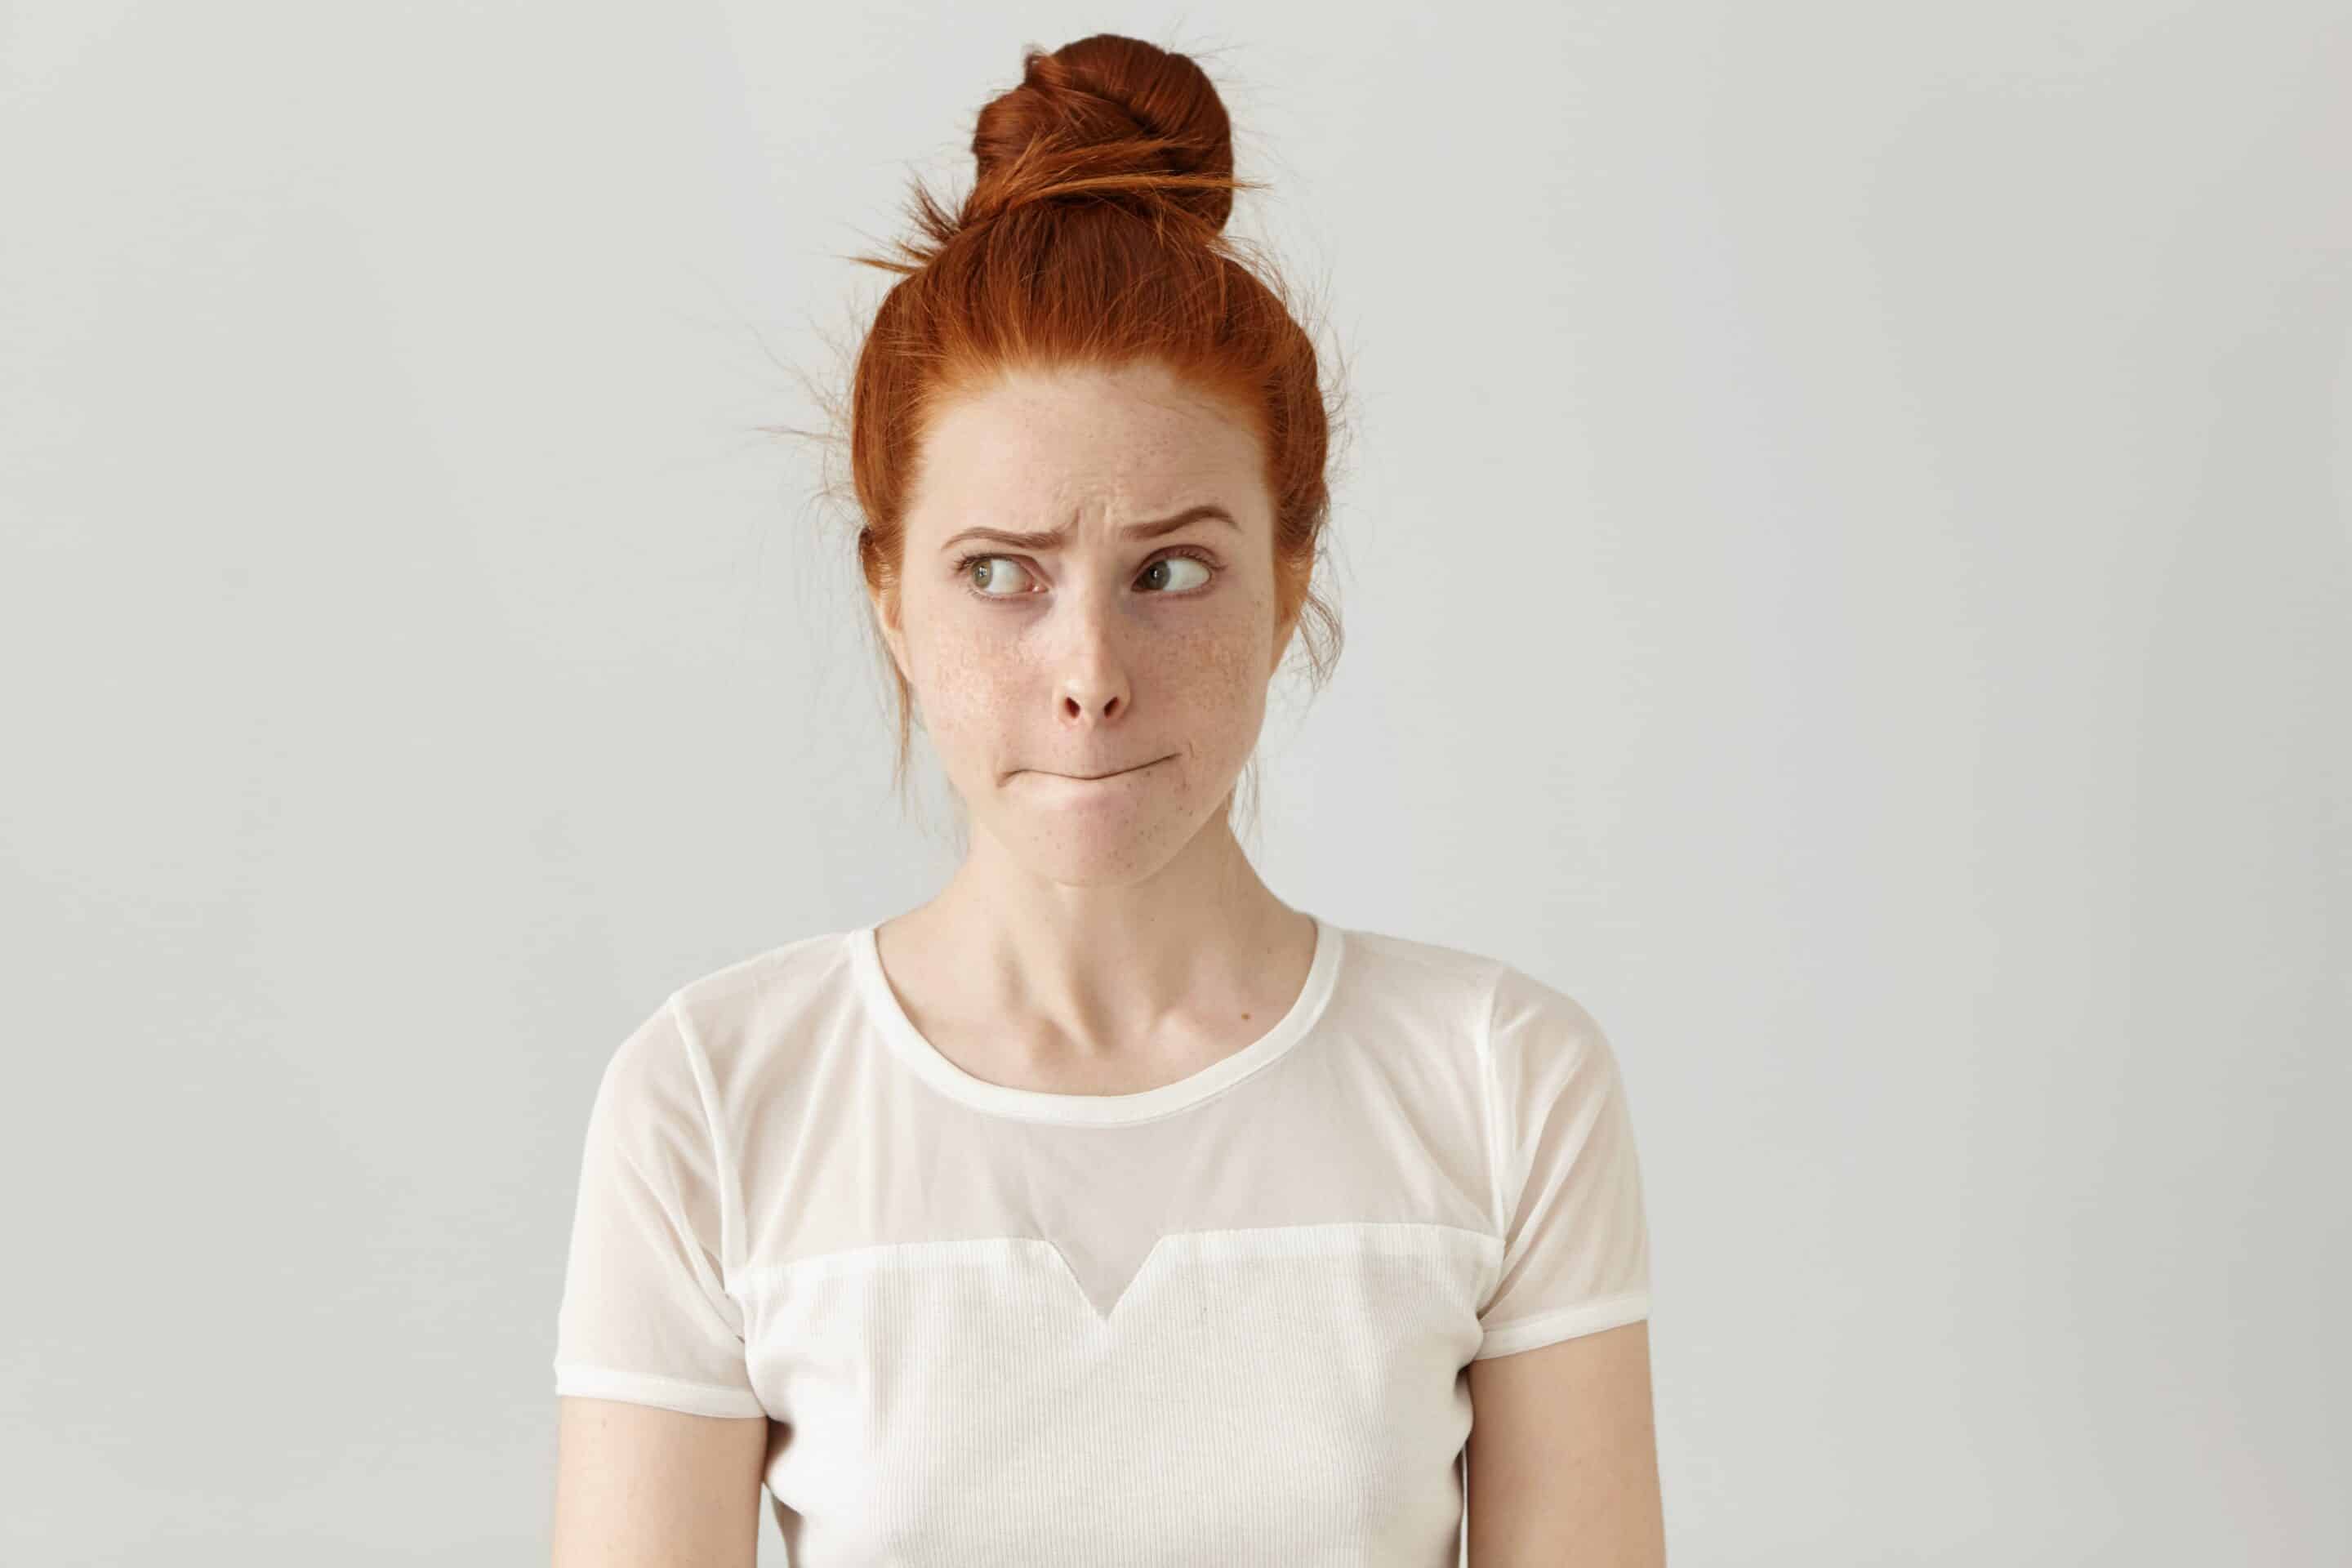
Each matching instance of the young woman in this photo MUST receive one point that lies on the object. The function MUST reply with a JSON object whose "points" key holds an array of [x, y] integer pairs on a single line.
{"points": [[1105, 1209]]}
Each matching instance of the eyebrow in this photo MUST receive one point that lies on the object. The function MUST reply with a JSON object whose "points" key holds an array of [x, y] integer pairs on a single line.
{"points": [[1052, 539]]}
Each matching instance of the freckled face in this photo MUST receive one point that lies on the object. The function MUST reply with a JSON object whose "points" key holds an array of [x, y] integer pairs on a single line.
{"points": [[1141, 660]]}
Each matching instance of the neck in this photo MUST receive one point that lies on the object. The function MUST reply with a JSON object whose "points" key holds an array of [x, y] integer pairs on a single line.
{"points": [[1099, 963]]}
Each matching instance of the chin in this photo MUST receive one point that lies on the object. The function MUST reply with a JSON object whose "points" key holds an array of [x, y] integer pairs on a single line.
{"points": [[1087, 845]]}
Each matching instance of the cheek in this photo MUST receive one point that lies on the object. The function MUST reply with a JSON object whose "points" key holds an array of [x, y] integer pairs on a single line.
{"points": [[969, 679], [1215, 674], [1213, 667]]}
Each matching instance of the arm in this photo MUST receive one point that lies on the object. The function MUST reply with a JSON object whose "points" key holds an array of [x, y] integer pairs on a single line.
{"points": [[1563, 1455], [640, 1487], [661, 1437]]}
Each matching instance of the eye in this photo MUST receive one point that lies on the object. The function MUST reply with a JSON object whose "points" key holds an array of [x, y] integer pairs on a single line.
{"points": [[995, 565], [1166, 573], [1172, 562]]}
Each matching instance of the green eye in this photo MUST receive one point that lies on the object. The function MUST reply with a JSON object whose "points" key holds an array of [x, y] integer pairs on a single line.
{"points": [[1174, 561], [987, 579], [984, 584]]}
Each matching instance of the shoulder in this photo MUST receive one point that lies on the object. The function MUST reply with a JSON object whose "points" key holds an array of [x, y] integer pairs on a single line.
{"points": [[1390, 974], [737, 1045], [756, 1005], [1508, 1006], [1534, 1048], [1532, 1020], [707, 1026]]}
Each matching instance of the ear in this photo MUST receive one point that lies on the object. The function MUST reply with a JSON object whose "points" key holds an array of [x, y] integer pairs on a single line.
{"points": [[886, 619]]}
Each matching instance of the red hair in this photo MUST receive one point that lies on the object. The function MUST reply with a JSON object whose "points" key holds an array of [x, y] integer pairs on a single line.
{"points": [[1093, 238]]}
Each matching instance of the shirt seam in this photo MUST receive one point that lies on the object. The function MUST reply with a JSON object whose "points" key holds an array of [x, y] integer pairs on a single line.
{"points": [[1499, 1217], [724, 1175]]}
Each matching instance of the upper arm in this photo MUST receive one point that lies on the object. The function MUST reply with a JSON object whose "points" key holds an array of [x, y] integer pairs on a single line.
{"points": [[640, 1487], [661, 1434], [1563, 1455]]}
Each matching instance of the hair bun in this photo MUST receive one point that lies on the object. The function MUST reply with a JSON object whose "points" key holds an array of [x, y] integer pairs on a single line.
{"points": [[1106, 118]]}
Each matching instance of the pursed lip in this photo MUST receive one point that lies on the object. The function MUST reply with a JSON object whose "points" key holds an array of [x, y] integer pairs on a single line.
{"points": [[1089, 778]]}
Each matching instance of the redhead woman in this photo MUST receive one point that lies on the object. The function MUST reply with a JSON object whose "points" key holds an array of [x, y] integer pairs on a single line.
{"points": [[1107, 1208]]}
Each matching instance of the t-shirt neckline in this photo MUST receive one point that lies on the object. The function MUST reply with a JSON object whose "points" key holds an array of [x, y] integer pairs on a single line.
{"points": [[1091, 1110]]}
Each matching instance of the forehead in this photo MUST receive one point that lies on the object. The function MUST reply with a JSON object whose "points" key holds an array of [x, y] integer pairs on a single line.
{"points": [[1083, 441]]}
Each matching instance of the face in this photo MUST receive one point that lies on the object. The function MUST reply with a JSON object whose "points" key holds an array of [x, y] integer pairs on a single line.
{"points": [[1092, 696]]}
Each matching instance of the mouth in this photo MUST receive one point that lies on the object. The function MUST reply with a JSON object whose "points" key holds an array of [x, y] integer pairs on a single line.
{"points": [[1090, 778]]}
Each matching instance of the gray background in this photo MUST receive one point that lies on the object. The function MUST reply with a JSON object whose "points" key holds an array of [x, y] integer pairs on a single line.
{"points": [[1844, 565]]}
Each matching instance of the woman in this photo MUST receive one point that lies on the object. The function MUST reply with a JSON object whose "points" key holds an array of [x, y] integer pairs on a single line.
{"points": [[1105, 1209]]}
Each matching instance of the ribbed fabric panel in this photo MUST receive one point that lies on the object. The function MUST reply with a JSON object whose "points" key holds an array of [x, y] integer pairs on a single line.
{"points": [[1254, 1396]]}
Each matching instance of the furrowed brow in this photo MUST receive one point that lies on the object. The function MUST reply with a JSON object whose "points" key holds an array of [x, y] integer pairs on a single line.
{"points": [[1052, 539]]}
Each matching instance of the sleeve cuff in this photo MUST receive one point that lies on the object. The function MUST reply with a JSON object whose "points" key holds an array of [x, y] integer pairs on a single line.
{"points": [[642, 1388], [1568, 1323]]}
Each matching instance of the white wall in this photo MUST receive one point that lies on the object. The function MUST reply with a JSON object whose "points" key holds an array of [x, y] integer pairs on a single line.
{"points": [[1846, 569]]}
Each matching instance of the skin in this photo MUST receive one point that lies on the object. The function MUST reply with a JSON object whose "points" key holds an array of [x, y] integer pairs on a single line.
{"points": [[1108, 935], [1563, 1455], [641, 1486]]}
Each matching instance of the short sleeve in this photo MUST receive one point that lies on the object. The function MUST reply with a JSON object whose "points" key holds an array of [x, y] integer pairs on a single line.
{"points": [[646, 1314], [1576, 1242]]}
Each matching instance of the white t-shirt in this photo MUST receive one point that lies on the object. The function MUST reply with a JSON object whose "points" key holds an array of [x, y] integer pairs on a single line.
{"points": [[1228, 1319]]}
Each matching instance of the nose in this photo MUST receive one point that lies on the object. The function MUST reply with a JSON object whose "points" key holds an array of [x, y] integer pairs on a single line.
{"points": [[1093, 693], [1091, 684]]}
